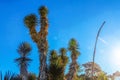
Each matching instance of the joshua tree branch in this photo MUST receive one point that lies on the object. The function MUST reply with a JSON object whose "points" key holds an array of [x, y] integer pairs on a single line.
{"points": [[34, 34]]}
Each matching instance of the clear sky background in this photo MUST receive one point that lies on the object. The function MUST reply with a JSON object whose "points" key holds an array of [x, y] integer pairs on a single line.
{"points": [[79, 19]]}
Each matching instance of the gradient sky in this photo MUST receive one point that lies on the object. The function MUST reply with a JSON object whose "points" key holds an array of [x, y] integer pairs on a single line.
{"points": [[79, 19]]}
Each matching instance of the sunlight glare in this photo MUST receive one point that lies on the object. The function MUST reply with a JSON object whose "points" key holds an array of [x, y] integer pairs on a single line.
{"points": [[115, 57]]}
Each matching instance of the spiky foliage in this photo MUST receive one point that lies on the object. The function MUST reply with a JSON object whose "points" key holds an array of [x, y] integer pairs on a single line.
{"points": [[64, 60], [54, 69], [11, 76], [73, 48], [24, 48], [53, 57], [30, 21], [43, 11], [40, 38], [23, 61], [63, 56], [8, 76], [57, 64], [31, 76], [63, 51]]}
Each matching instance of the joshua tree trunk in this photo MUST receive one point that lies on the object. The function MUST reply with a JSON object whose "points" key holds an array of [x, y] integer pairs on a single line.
{"points": [[43, 67], [73, 71], [23, 72], [43, 43], [43, 46], [73, 47]]}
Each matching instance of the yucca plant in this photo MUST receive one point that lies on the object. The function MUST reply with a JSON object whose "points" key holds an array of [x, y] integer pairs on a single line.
{"points": [[23, 61], [10, 76]]}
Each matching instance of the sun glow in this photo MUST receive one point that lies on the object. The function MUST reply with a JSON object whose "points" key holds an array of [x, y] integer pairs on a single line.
{"points": [[115, 57]]}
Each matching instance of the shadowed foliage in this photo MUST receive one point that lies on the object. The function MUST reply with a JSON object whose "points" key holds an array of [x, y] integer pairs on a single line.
{"points": [[54, 69], [57, 64], [10, 76], [32, 76]]}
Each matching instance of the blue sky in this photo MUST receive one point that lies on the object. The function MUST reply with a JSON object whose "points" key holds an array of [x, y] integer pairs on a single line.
{"points": [[68, 19]]}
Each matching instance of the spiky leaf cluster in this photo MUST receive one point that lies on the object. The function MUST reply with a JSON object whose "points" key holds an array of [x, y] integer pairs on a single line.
{"points": [[63, 56], [11, 76], [43, 11], [24, 48], [73, 48], [57, 64], [63, 51], [30, 20], [54, 69], [73, 45], [54, 58]]}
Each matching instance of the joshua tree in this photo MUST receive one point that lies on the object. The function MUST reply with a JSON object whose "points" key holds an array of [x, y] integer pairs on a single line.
{"points": [[23, 61], [54, 69], [57, 64], [64, 61], [40, 38], [73, 48]]}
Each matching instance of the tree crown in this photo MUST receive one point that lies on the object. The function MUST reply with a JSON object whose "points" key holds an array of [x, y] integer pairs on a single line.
{"points": [[30, 20], [43, 11]]}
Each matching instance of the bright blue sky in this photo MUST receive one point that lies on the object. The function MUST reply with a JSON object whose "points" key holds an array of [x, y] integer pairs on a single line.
{"points": [[79, 19]]}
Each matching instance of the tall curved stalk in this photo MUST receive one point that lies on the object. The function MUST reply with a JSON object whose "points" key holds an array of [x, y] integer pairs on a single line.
{"points": [[95, 48]]}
